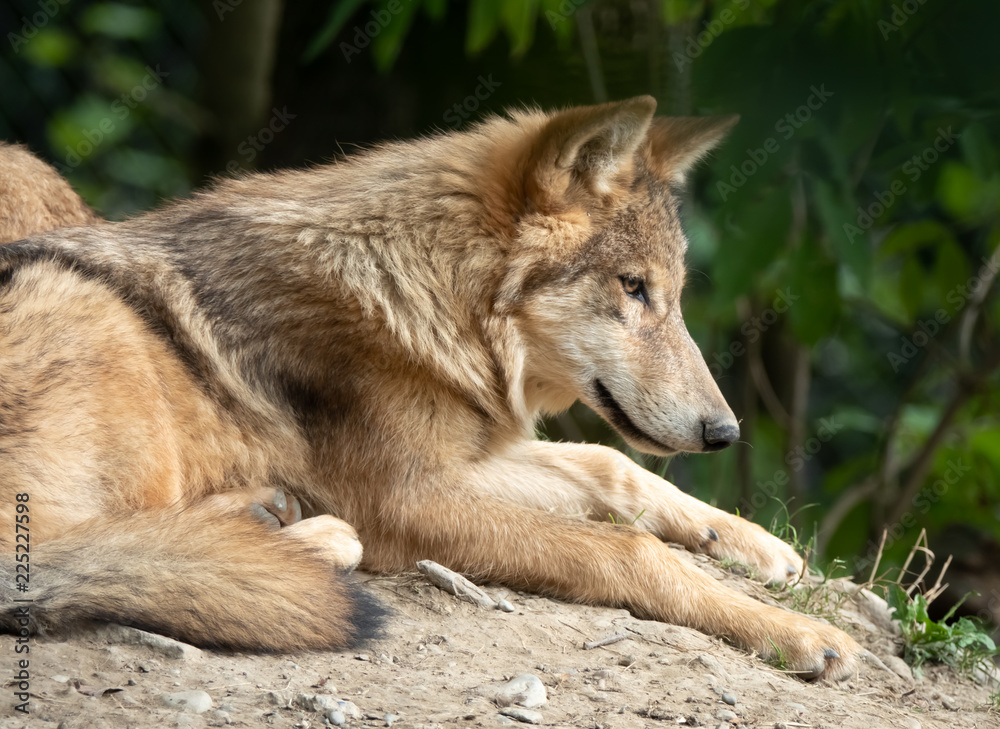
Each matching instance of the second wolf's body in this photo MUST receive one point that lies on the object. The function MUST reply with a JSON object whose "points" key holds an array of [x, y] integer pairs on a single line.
{"points": [[374, 340]]}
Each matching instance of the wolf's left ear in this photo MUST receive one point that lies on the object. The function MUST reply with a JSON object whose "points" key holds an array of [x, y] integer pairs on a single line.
{"points": [[676, 143], [588, 145]]}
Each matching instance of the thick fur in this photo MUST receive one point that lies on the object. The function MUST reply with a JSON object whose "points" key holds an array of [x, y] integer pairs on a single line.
{"points": [[34, 198], [378, 337]]}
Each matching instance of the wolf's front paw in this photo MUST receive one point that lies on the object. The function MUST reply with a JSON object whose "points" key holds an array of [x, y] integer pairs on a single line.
{"points": [[811, 649], [769, 558]]}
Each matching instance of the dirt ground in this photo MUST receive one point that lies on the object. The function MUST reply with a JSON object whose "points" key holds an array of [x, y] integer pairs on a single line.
{"points": [[441, 662]]}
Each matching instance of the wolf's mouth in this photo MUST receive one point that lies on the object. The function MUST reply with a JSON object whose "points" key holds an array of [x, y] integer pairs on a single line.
{"points": [[623, 423]]}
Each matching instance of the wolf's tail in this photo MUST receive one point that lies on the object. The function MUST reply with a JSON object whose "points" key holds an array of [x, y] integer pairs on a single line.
{"points": [[228, 581]]}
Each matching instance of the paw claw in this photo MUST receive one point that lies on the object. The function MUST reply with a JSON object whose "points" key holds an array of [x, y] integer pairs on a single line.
{"points": [[791, 569], [713, 535], [279, 500], [830, 654], [264, 516]]}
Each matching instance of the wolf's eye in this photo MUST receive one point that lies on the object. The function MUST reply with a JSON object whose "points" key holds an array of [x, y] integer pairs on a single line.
{"points": [[635, 287]]}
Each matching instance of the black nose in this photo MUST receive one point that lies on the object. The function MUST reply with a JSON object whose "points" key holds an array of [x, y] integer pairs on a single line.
{"points": [[719, 435]]}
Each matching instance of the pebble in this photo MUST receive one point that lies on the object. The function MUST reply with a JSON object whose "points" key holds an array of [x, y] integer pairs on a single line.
{"points": [[315, 702], [729, 698], [336, 717], [725, 715], [526, 715], [350, 709], [505, 606], [195, 702], [526, 690], [390, 719], [799, 709], [948, 702], [898, 666], [220, 718]]}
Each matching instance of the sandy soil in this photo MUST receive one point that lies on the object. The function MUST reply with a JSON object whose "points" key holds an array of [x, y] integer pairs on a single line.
{"points": [[441, 662]]}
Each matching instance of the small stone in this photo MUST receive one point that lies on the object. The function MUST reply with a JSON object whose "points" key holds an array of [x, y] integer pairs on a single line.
{"points": [[220, 718], [350, 709], [526, 690], [336, 717], [194, 702], [276, 698], [725, 715], [948, 702], [729, 698], [315, 702], [60, 678], [390, 719], [362, 657], [799, 709], [504, 606], [712, 665], [898, 666], [526, 715]]}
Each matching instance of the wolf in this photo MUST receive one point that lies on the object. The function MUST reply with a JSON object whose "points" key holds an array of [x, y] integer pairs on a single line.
{"points": [[206, 410]]}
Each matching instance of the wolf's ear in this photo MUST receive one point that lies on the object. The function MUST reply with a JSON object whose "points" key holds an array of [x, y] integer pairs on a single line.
{"points": [[588, 145], [676, 143]]}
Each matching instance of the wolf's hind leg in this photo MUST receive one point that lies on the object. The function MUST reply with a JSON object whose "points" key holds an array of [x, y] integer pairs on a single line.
{"points": [[209, 573]]}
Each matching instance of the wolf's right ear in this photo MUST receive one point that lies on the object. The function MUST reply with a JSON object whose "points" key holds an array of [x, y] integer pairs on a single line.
{"points": [[588, 146]]}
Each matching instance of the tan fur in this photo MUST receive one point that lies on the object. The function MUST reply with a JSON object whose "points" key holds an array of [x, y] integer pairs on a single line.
{"points": [[34, 198], [378, 337]]}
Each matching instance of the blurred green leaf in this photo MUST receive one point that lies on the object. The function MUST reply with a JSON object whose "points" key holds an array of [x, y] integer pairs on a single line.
{"points": [[484, 22], [389, 42], [120, 21], [853, 250], [340, 12], [911, 237], [519, 19], [677, 11], [51, 47], [814, 316]]}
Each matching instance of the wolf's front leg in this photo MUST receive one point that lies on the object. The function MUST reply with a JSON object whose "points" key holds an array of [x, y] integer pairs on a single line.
{"points": [[600, 483], [585, 561]]}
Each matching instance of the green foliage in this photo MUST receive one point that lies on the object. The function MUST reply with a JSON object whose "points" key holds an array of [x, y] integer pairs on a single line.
{"points": [[964, 644]]}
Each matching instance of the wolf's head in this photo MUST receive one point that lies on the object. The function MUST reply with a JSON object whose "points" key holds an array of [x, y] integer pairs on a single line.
{"points": [[599, 262]]}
